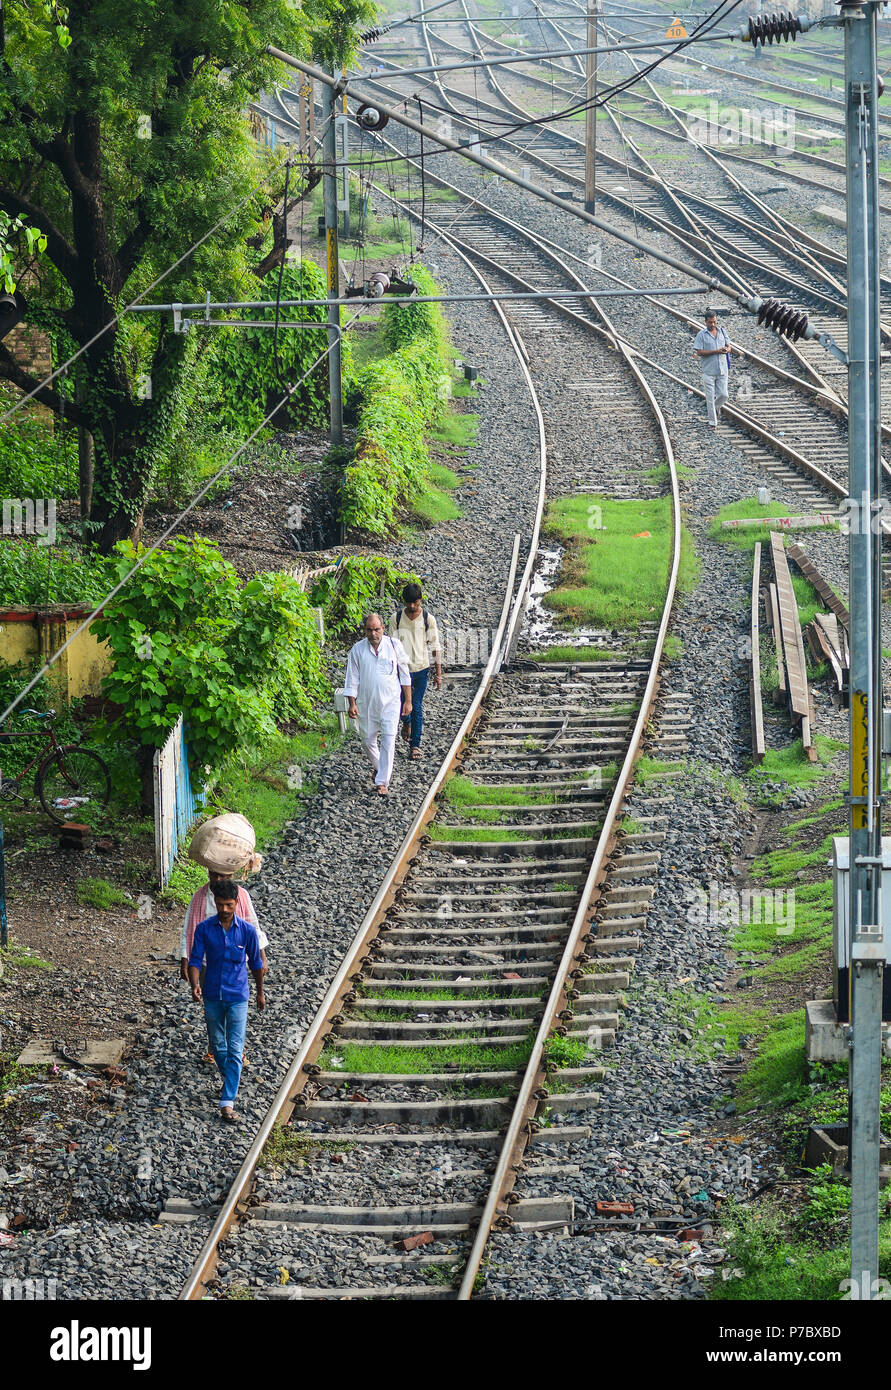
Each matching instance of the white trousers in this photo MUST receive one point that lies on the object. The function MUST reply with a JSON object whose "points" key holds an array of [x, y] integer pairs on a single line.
{"points": [[379, 741], [716, 392]]}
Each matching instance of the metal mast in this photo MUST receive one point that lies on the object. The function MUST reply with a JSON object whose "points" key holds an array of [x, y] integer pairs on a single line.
{"points": [[864, 456]]}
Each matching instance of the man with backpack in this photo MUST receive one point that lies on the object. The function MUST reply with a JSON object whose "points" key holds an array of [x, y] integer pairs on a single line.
{"points": [[416, 629]]}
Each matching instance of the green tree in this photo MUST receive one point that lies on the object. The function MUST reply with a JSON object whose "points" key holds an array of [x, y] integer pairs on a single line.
{"points": [[122, 148]]}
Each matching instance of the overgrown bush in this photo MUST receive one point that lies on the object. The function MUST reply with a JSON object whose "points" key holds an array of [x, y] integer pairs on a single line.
{"points": [[243, 359], [31, 573], [401, 398], [359, 585], [280, 651], [185, 638]]}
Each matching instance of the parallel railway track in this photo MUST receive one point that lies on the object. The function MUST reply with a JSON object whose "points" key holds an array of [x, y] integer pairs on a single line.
{"points": [[519, 945]]}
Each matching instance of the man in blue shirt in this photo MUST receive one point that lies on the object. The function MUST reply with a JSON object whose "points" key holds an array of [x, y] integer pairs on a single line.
{"points": [[228, 944]]}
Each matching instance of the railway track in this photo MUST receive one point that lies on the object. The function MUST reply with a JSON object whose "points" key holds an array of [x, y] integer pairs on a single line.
{"points": [[809, 417], [798, 442], [491, 967]]}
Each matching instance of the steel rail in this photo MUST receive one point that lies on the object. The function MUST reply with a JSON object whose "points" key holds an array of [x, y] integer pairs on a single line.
{"points": [[820, 391], [655, 179], [748, 423], [503, 1180], [526, 1104], [295, 1078], [283, 1103]]}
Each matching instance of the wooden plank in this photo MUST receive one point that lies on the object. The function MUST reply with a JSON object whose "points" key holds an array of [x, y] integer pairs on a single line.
{"points": [[793, 646], [758, 745], [778, 643], [817, 521], [813, 576], [99, 1052]]}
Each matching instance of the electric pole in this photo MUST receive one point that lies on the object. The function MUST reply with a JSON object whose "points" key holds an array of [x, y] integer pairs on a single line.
{"points": [[335, 383], [591, 108], [864, 461]]}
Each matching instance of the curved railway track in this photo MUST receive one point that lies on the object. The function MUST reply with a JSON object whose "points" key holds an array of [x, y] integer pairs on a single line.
{"points": [[808, 417], [512, 942]]}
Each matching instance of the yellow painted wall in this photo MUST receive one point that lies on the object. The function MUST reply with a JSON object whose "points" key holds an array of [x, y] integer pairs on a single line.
{"points": [[80, 668]]}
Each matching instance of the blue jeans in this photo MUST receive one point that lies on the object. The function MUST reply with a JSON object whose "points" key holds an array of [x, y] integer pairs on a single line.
{"points": [[415, 720], [226, 1027]]}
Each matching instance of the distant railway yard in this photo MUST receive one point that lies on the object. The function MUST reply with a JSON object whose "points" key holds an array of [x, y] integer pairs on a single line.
{"points": [[441, 719]]}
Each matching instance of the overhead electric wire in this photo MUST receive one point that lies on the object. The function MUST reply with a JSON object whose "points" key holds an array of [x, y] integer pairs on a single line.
{"points": [[221, 472], [47, 381]]}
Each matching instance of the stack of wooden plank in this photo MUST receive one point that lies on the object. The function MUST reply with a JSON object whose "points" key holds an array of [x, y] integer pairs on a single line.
{"points": [[791, 666], [827, 638], [827, 635]]}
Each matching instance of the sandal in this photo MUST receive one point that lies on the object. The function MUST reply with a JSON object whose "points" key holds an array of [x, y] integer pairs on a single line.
{"points": [[382, 791], [416, 754], [228, 1115]]}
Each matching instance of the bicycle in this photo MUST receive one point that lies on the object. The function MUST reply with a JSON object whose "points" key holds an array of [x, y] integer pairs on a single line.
{"points": [[69, 780]]}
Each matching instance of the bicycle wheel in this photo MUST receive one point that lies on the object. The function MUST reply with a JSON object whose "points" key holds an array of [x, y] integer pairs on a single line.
{"points": [[72, 782]]}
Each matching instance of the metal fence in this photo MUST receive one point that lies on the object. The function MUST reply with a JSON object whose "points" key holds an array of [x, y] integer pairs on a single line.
{"points": [[176, 804]]}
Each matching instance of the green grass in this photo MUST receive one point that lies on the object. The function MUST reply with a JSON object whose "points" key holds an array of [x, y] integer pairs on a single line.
{"points": [[184, 881], [98, 892], [15, 954], [12, 1075], [778, 1266], [461, 792], [790, 766], [481, 835], [662, 473], [459, 430], [396, 1060], [375, 991], [615, 575], [566, 653], [431, 503], [257, 782], [808, 600], [779, 865], [651, 769], [285, 1146]]}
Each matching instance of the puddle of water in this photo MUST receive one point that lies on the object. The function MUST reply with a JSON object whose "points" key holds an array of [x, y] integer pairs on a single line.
{"points": [[540, 628]]}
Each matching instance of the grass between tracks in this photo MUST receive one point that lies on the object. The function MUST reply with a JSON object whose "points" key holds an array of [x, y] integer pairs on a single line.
{"points": [[460, 1056], [617, 562]]}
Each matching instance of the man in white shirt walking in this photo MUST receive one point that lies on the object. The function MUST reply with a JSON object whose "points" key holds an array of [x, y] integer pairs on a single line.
{"points": [[712, 347], [419, 635], [377, 684]]}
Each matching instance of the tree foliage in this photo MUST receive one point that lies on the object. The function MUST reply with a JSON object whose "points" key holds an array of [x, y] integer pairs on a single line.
{"points": [[185, 637], [123, 148]]}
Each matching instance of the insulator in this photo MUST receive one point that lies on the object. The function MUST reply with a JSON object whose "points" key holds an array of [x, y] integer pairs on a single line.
{"points": [[788, 323], [369, 118], [372, 35], [771, 28], [378, 284]]}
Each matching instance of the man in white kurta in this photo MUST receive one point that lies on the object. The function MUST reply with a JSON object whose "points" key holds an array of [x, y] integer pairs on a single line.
{"points": [[378, 687]]}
